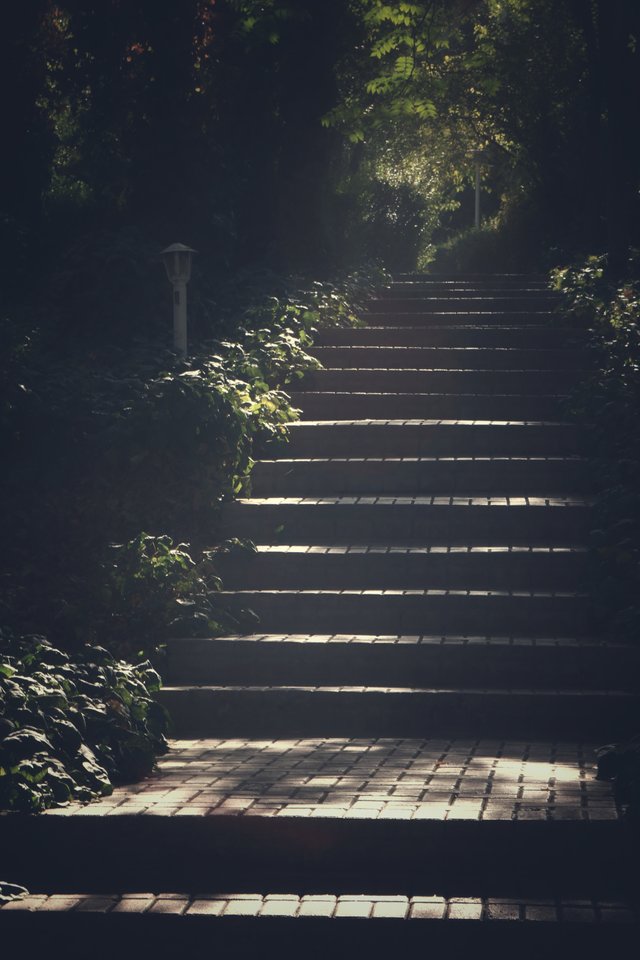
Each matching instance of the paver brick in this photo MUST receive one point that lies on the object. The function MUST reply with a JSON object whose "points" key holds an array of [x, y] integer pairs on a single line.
{"points": [[467, 908], [134, 903], [616, 915], [280, 907], [497, 910], [353, 907], [573, 913], [28, 903], [391, 909], [207, 907], [247, 907], [95, 904], [62, 903], [317, 906], [428, 908]]}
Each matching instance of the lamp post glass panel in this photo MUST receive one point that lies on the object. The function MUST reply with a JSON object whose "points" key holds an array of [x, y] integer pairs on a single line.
{"points": [[177, 262]]}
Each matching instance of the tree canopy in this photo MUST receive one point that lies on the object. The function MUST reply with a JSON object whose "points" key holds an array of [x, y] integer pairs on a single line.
{"points": [[300, 133]]}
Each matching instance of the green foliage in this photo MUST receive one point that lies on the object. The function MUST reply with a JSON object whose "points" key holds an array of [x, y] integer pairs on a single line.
{"points": [[513, 240], [102, 444], [149, 589], [237, 545], [189, 124], [69, 728], [99, 454], [540, 91], [290, 132], [587, 291], [610, 402], [106, 445]]}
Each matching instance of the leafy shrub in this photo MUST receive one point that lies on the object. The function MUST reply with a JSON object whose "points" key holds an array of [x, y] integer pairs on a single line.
{"points": [[586, 291], [512, 240], [149, 589], [103, 444], [98, 455], [609, 404], [69, 728], [253, 300]]}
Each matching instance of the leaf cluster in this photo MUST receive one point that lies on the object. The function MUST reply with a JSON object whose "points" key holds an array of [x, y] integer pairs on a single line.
{"points": [[70, 728], [149, 589]]}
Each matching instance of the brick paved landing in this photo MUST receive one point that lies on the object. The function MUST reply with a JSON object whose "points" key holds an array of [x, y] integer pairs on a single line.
{"points": [[369, 779]]}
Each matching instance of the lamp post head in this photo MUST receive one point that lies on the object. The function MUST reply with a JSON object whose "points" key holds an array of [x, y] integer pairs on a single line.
{"points": [[177, 262]]}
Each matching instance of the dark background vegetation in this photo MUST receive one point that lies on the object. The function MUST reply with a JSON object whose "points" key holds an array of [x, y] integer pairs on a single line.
{"points": [[304, 135], [293, 143]]}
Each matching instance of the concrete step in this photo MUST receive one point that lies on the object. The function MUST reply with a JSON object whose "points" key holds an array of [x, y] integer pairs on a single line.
{"points": [[509, 298], [431, 380], [519, 279], [396, 567], [422, 288], [375, 404], [434, 438], [464, 521], [327, 923], [491, 475], [170, 924], [414, 611], [400, 661], [454, 358], [509, 303], [291, 711], [396, 314], [481, 334]]}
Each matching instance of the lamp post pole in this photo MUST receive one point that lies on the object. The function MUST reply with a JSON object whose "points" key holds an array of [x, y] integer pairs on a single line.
{"points": [[180, 317], [177, 262], [477, 159]]}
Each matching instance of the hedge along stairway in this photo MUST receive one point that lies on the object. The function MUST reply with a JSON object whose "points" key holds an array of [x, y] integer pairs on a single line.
{"points": [[410, 734]]}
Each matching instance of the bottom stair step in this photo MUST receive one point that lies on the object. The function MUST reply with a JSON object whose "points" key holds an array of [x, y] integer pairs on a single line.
{"points": [[128, 925], [328, 906], [278, 711]]}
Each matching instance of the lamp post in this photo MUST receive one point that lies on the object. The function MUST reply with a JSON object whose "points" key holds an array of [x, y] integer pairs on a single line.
{"points": [[476, 158], [177, 262]]}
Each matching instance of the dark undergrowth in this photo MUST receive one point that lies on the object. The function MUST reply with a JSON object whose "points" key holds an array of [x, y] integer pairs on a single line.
{"points": [[117, 457], [609, 403]]}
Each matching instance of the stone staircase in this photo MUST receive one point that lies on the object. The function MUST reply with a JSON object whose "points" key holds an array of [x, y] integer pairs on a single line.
{"points": [[410, 733]]}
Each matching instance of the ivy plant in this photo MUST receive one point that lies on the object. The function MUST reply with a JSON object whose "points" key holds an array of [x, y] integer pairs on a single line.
{"points": [[70, 728]]}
